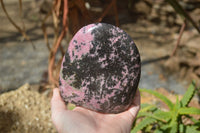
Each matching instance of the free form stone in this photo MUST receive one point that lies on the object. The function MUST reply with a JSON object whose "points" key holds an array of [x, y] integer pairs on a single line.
{"points": [[101, 69]]}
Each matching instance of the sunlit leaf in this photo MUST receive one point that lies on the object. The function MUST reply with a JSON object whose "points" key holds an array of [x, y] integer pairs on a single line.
{"points": [[192, 129], [146, 121], [160, 96], [189, 110], [188, 95]]}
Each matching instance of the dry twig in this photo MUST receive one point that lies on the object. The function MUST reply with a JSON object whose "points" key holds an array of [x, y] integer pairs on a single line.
{"points": [[58, 42], [114, 5], [179, 38], [15, 25]]}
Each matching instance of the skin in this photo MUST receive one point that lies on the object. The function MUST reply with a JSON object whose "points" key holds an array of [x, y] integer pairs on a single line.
{"points": [[86, 121]]}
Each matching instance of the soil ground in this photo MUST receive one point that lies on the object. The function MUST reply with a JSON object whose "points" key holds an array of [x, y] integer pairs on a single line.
{"points": [[27, 109]]}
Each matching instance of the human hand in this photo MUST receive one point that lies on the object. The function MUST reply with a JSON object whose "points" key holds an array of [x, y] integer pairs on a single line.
{"points": [[81, 120]]}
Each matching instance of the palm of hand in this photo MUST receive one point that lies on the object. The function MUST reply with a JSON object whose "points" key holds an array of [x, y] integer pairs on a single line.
{"points": [[87, 121]]}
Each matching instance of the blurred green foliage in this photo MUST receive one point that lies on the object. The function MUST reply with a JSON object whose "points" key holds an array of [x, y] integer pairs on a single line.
{"points": [[159, 121]]}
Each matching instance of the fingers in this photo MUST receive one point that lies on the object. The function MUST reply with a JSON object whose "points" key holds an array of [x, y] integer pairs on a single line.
{"points": [[57, 104], [136, 105], [132, 112], [127, 117], [137, 98]]}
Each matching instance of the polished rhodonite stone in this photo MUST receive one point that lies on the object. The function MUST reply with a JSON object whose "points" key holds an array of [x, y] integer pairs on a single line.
{"points": [[101, 69]]}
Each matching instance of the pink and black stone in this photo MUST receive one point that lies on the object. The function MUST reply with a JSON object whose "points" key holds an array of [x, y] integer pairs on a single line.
{"points": [[101, 69]]}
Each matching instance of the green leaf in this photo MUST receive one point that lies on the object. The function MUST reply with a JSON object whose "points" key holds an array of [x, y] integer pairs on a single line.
{"points": [[142, 114], [191, 129], [164, 127], [71, 106], [160, 116], [182, 128], [188, 95], [178, 8], [158, 131], [197, 123], [148, 128], [144, 123], [177, 105], [160, 96], [143, 105], [189, 110], [174, 127], [164, 116], [174, 112], [147, 107]]}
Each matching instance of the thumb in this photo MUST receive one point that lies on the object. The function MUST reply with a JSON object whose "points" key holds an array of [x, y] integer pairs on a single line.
{"points": [[57, 104], [58, 107]]}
